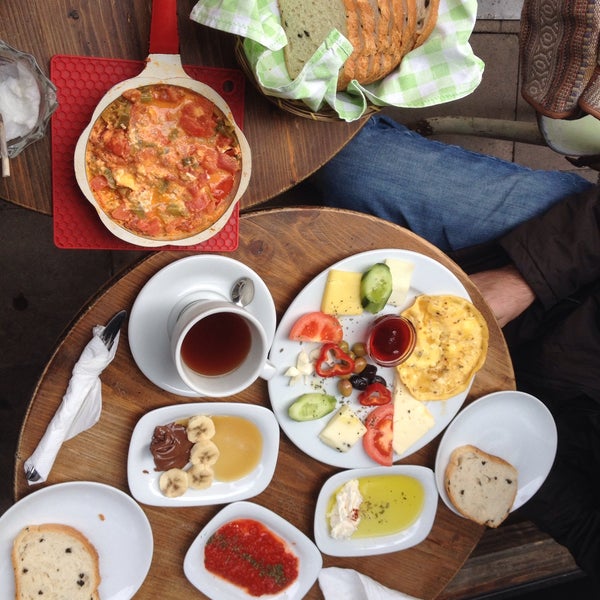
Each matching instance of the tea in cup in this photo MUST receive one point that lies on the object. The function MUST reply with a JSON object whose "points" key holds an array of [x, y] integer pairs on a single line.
{"points": [[219, 348]]}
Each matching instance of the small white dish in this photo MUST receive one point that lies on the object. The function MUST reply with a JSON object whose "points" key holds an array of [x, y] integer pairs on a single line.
{"points": [[143, 478], [109, 518], [164, 295], [429, 277], [309, 557], [411, 536], [512, 425]]}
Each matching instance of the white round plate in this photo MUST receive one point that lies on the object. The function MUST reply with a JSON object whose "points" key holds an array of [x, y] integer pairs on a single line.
{"points": [[429, 277], [143, 478], [109, 518], [512, 425], [411, 536], [167, 292], [573, 137], [309, 557]]}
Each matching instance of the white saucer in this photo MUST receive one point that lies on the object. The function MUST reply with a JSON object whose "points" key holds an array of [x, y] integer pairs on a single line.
{"points": [[172, 288]]}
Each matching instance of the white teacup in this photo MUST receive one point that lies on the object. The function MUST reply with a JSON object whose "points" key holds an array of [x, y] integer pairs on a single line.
{"points": [[219, 348]]}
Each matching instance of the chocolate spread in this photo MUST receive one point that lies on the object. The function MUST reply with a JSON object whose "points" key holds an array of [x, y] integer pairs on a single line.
{"points": [[170, 446]]}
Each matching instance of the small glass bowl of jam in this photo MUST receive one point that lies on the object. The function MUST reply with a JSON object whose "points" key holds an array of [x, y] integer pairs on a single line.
{"points": [[390, 340]]}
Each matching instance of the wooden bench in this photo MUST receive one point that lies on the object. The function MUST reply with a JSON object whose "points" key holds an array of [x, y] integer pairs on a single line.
{"points": [[515, 557]]}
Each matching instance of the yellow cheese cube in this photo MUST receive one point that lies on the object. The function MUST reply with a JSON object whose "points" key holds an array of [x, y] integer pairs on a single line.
{"points": [[342, 293]]}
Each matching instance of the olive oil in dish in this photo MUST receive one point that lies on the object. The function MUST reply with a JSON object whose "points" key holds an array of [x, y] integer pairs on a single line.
{"points": [[390, 504]]}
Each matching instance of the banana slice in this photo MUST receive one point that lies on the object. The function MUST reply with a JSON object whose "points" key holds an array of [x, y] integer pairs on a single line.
{"points": [[173, 483], [204, 453], [200, 428], [200, 477]]}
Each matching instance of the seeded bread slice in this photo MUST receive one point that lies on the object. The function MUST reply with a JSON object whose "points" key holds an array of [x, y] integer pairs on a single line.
{"points": [[427, 14], [481, 486], [307, 23], [54, 561]]}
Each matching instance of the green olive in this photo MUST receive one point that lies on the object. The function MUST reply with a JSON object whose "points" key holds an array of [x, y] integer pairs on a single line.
{"points": [[344, 387], [359, 364], [359, 349], [345, 347]]}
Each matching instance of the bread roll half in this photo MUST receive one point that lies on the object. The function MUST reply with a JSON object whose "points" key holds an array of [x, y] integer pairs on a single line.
{"points": [[481, 486]]}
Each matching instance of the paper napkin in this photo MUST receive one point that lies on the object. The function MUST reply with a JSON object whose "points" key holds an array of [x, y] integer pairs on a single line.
{"points": [[443, 69], [338, 583], [80, 407]]}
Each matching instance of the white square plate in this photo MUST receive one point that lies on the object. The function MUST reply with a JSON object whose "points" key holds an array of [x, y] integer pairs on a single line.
{"points": [[142, 474], [411, 536], [309, 557]]}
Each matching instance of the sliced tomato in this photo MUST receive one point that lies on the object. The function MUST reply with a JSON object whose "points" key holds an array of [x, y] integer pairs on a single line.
{"points": [[377, 441], [317, 327]]}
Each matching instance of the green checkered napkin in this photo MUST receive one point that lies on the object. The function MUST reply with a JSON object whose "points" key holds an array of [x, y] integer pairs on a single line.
{"points": [[443, 69]]}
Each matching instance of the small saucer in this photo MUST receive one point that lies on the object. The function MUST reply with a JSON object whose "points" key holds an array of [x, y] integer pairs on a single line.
{"points": [[168, 292]]}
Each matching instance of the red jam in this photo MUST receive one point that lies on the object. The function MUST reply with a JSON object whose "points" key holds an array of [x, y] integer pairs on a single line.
{"points": [[391, 339], [249, 555]]}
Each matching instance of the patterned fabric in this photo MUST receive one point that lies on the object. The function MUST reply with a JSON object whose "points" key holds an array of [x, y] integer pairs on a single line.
{"points": [[441, 70], [559, 55]]}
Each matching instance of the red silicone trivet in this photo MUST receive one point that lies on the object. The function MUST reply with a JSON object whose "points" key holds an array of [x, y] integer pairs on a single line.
{"points": [[81, 83]]}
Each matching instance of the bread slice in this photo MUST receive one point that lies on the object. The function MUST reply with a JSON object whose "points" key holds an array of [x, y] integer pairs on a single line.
{"points": [[54, 561], [306, 24], [481, 486], [427, 15]]}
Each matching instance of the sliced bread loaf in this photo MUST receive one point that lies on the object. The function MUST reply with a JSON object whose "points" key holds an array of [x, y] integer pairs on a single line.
{"points": [[54, 561], [481, 486]]}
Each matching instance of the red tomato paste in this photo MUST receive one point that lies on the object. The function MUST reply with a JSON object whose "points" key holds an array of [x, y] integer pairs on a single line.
{"points": [[249, 555]]}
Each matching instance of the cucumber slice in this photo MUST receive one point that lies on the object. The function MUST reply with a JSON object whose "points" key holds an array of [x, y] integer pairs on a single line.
{"points": [[376, 287], [312, 406]]}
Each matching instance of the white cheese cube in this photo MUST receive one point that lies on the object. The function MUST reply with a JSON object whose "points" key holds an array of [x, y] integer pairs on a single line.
{"points": [[402, 271], [343, 430], [412, 419]]}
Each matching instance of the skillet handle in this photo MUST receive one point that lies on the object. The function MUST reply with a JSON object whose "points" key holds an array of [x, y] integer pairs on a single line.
{"points": [[164, 33]]}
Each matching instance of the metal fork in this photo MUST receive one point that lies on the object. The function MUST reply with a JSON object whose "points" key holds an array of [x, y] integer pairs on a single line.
{"points": [[112, 328], [31, 474]]}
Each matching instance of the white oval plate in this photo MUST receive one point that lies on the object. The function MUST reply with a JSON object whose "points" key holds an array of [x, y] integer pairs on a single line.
{"points": [[109, 518], [429, 277], [171, 288], [143, 478], [411, 536], [309, 557], [512, 425]]}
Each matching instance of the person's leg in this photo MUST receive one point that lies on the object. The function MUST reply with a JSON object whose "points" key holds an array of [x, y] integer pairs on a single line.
{"points": [[450, 196], [567, 506]]}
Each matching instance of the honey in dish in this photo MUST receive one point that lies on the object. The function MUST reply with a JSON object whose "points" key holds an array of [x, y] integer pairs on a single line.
{"points": [[217, 344], [240, 446], [391, 503]]}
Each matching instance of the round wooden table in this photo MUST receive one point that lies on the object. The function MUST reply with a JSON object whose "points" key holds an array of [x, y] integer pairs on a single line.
{"points": [[286, 148], [287, 248]]}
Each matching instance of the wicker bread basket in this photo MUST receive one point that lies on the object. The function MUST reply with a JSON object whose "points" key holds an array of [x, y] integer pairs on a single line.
{"points": [[295, 107]]}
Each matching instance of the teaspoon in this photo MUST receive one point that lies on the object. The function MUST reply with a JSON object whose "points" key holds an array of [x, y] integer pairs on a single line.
{"points": [[242, 291]]}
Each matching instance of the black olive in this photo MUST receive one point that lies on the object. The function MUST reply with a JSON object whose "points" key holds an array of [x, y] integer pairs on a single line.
{"points": [[359, 382], [369, 372], [379, 379]]}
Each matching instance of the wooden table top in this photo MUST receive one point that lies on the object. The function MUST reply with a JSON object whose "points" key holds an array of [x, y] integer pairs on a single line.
{"points": [[121, 30], [273, 243]]}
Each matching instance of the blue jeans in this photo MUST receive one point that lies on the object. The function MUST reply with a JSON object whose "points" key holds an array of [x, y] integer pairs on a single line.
{"points": [[448, 195]]}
